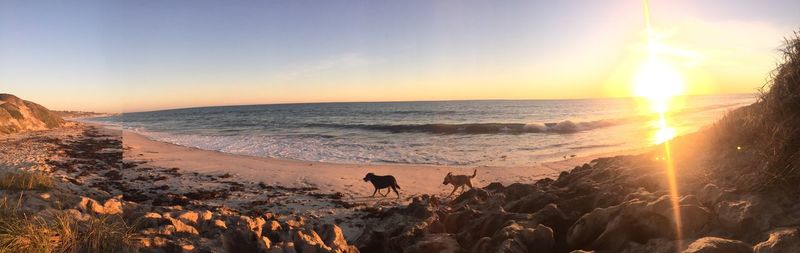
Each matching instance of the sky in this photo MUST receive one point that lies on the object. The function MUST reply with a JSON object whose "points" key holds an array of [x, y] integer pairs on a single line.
{"points": [[114, 56]]}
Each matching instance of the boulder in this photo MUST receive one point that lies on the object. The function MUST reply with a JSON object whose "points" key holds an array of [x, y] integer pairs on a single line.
{"points": [[538, 239], [89, 205], [435, 243], [749, 214], [150, 220], [636, 221], [181, 227], [244, 235], [306, 240], [111, 206], [333, 237], [659, 245], [189, 217], [780, 240], [717, 245]]}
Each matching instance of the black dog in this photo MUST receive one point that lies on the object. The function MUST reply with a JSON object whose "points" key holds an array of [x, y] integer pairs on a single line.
{"points": [[381, 182]]}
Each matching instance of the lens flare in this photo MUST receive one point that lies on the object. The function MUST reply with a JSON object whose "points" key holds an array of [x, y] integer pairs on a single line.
{"points": [[658, 82]]}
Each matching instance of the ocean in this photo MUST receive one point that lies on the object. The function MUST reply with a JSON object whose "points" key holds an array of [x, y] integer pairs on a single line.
{"points": [[470, 133]]}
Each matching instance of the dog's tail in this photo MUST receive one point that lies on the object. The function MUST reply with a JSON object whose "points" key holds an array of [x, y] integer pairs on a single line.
{"points": [[474, 173]]}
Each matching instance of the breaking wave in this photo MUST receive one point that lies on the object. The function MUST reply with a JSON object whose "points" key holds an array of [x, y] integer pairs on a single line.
{"points": [[563, 127]]}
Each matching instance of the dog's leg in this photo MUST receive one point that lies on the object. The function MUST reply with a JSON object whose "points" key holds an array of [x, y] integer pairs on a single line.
{"points": [[387, 192], [373, 193], [395, 191], [469, 183], [454, 190]]}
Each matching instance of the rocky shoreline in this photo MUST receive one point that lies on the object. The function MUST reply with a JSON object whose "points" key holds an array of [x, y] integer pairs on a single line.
{"points": [[617, 204], [210, 213]]}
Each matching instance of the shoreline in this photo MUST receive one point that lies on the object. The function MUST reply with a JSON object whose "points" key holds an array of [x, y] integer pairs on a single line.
{"points": [[414, 179], [189, 198]]}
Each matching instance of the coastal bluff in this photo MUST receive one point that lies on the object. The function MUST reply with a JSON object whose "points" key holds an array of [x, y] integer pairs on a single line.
{"points": [[17, 115]]}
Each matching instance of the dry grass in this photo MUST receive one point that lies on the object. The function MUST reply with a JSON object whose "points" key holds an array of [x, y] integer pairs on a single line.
{"points": [[61, 232], [768, 131], [24, 180]]}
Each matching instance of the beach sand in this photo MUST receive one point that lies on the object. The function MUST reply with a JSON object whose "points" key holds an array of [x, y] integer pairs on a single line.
{"points": [[331, 177]]}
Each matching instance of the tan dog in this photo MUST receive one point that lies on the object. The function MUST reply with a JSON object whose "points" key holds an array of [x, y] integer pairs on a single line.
{"points": [[459, 181]]}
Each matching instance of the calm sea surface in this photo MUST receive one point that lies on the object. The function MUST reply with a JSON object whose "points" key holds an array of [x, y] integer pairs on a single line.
{"points": [[503, 133]]}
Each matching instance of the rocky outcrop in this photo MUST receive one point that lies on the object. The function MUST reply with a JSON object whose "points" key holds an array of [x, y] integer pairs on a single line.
{"points": [[163, 229], [17, 115], [610, 205], [718, 245], [780, 240]]}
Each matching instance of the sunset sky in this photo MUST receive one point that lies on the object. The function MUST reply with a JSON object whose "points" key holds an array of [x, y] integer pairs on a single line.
{"points": [[113, 56]]}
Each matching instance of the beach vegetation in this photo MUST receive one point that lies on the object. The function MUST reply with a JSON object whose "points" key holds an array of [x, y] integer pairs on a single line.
{"points": [[61, 232], [762, 140], [25, 180]]}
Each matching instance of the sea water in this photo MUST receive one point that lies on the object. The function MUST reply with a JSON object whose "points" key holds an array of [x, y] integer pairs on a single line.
{"points": [[473, 133]]}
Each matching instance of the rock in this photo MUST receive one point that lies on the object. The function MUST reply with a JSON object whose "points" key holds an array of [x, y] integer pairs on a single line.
{"points": [[538, 239], [219, 224], [189, 217], [717, 245], [455, 222], [285, 247], [435, 243], [659, 245], [113, 205], [517, 238], [297, 222], [206, 215], [181, 227], [90, 205], [611, 228], [166, 230], [472, 196], [531, 203], [422, 207], [245, 236], [151, 219], [307, 240], [709, 194], [187, 247], [780, 240], [78, 215], [749, 214], [590, 226], [483, 245], [333, 237]]}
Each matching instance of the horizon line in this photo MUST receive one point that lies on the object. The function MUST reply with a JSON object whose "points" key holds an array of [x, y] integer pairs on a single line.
{"points": [[414, 101]]}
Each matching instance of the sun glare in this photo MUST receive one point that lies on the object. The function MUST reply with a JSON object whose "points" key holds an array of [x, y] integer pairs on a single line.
{"points": [[657, 82]]}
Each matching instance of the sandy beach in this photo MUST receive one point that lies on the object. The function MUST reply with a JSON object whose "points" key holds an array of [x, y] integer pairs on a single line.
{"points": [[329, 177]]}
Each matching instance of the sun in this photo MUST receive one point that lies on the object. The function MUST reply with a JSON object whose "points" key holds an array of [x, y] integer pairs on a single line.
{"points": [[658, 81]]}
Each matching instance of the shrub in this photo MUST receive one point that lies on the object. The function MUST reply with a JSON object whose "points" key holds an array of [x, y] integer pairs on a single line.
{"points": [[767, 131]]}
